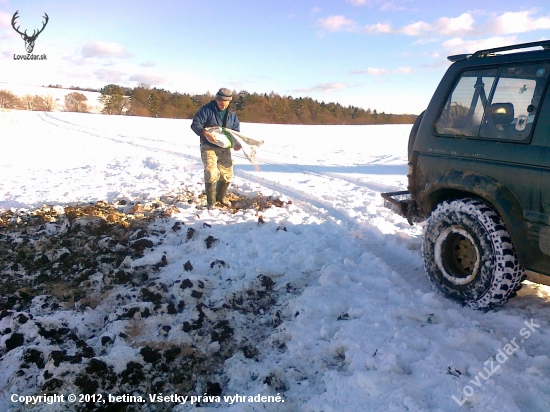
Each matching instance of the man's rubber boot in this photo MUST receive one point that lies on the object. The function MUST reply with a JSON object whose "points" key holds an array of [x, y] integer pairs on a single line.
{"points": [[221, 189], [210, 189]]}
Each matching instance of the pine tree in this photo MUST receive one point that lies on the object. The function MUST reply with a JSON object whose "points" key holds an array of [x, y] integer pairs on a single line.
{"points": [[112, 97]]}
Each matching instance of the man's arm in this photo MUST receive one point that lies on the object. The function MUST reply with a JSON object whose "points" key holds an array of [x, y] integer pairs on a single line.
{"points": [[199, 121], [198, 125]]}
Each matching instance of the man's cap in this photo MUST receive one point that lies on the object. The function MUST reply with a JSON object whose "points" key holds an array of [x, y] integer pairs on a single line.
{"points": [[224, 94]]}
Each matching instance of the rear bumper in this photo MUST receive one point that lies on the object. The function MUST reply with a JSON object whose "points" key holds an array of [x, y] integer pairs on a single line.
{"points": [[402, 204], [398, 202]]}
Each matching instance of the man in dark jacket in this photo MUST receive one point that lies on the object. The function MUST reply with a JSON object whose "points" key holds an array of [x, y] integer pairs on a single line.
{"points": [[218, 164]]}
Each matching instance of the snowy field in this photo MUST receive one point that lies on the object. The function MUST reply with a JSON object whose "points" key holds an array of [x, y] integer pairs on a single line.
{"points": [[321, 299]]}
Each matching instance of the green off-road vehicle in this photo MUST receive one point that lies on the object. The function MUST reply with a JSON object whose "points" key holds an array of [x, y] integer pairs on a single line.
{"points": [[479, 171]]}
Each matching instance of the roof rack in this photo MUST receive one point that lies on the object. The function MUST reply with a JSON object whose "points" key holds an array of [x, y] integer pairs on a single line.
{"points": [[545, 44]]}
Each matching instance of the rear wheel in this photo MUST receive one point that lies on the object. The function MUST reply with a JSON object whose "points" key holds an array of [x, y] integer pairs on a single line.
{"points": [[468, 254]]}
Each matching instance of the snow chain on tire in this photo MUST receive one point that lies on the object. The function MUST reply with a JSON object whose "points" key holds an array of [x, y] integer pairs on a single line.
{"points": [[469, 256]]}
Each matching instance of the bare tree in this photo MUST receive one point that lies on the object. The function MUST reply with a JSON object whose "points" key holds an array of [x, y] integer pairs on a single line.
{"points": [[49, 103], [75, 102], [8, 100], [29, 101], [38, 104]]}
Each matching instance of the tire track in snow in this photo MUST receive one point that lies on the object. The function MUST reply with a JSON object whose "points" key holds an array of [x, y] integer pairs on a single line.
{"points": [[52, 117], [395, 254], [374, 186], [302, 197], [388, 248], [390, 252], [117, 140]]}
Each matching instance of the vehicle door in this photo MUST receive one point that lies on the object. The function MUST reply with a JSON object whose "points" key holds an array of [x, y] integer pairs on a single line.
{"points": [[539, 222], [492, 125]]}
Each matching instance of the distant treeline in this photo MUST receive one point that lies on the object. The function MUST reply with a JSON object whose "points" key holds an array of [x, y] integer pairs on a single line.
{"points": [[250, 107], [84, 89], [74, 102]]}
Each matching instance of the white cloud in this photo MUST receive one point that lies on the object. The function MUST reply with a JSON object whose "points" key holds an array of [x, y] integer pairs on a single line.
{"points": [[337, 23], [5, 20], [403, 70], [427, 40], [448, 26], [463, 25], [324, 87], [109, 76], [104, 49], [391, 6], [314, 11], [148, 79], [236, 85], [373, 71], [148, 64], [341, 23], [518, 22], [444, 26], [10, 35], [378, 28], [458, 46], [385, 5], [416, 29]]}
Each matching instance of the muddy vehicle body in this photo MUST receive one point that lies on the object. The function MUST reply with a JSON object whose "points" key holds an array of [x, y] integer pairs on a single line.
{"points": [[479, 172]]}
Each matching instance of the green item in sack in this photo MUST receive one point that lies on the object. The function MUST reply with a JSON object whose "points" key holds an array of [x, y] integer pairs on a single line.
{"points": [[229, 137]]}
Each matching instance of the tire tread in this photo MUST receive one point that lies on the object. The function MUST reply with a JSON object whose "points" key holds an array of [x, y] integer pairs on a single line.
{"points": [[507, 274]]}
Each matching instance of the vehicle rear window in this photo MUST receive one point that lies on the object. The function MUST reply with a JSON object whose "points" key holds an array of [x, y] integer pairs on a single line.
{"points": [[497, 104]]}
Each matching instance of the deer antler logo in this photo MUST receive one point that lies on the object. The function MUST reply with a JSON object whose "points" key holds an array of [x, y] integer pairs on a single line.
{"points": [[29, 40]]}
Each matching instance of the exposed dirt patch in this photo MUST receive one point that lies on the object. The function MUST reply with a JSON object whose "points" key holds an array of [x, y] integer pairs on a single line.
{"points": [[62, 263], [53, 250]]}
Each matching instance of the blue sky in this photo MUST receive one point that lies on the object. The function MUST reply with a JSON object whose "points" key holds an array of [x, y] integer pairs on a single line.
{"points": [[387, 55]]}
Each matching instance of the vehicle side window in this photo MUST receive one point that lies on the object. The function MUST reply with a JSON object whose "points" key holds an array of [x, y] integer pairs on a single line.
{"points": [[495, 104], [463, 113]]}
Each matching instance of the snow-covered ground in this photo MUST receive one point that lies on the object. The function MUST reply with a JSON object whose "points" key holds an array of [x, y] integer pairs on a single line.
{"points": [[321, 300]]}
